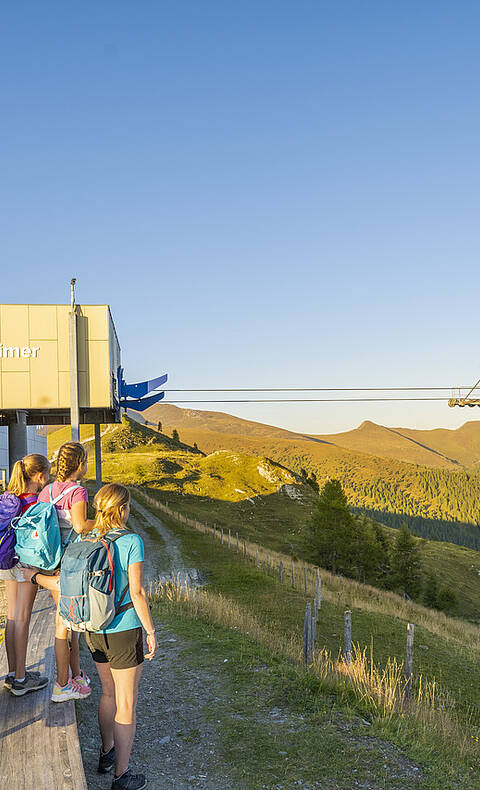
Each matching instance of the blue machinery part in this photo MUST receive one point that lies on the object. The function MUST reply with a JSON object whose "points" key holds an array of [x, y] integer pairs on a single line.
{"points": [[131, 395]]}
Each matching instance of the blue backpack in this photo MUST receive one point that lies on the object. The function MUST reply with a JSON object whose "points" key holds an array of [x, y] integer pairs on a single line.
{"points": [[38, 534], [87, 583], [10, 507]]}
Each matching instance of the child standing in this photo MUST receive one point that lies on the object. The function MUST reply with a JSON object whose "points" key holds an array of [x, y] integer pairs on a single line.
{"points": [[72, 516], [28, 477], [118, 650]]}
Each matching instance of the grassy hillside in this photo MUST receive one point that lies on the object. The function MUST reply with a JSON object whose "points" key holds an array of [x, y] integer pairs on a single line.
{"points": [[255, 496], [439, 503]]}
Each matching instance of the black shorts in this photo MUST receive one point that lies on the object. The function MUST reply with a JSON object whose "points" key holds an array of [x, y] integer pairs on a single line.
{"points": [[122, 650]]}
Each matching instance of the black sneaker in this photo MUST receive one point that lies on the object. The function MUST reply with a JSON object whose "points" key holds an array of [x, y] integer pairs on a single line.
{"points": [[7, 683], [129, 781], [31, 683], [106, 761]]}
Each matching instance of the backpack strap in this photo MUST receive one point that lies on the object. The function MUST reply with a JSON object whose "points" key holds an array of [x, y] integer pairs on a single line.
{"points": [[60, 496], [120, 608]]}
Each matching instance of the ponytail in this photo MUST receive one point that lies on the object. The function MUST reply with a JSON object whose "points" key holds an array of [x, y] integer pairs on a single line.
{"points": [[23, 471], [109, 502]]}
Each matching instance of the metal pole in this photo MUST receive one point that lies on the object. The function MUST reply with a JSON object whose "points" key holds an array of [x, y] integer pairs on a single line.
{"points": [[409, 659], [73, 346], [17, 438], [98, 456], [348, 637]]}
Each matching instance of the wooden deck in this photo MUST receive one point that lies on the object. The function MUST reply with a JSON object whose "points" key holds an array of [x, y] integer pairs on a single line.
{"points": [[39, 745]]}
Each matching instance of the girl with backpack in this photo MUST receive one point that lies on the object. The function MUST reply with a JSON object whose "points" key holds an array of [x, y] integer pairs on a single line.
{"points": [[71, 501], [118, 649], [28, 477]]}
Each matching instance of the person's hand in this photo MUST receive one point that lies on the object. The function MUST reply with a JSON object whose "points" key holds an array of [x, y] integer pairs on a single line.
{"points": [[152, 645]]}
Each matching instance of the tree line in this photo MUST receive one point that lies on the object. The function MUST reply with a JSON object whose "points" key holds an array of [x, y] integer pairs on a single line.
{"points": [[357, 547]]}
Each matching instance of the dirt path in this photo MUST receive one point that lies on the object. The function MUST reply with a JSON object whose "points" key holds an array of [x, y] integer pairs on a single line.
{"points": [[176, 744]]}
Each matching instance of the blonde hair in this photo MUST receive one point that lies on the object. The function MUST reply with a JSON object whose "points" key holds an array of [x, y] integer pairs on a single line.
{"points": [[108, 503], [24, 470], [70, 456]]}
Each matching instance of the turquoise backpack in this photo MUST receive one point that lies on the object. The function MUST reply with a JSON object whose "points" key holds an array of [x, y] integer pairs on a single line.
{"points": [[38, 534]]}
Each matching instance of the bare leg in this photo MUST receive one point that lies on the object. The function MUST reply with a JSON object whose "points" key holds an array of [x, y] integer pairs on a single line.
{"points": [[106, 706], [62, 651], [126, 692], [25, 597], [75, 654], [11, 589]]}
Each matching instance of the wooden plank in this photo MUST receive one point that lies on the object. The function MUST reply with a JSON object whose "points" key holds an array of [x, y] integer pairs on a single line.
{"points": [[39, 744]]}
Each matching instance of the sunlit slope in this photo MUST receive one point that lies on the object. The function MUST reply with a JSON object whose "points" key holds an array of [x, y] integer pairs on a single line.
{"points": [[263, 500], [441, 447], [440, 491]]}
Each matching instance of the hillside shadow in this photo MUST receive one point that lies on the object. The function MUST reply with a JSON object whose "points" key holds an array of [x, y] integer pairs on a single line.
{"points": [[444, 531]]}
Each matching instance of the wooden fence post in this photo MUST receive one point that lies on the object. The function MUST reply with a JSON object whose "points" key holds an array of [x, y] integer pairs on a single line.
{"points": [[307, 635], [305, 579], [237, 542], [244, 550], [319, 588], [229, 538], [281, 572], [314, 627], [348, 637], [293, 574], [268, 563], [221, 536], [214, 531], [409, 660]]}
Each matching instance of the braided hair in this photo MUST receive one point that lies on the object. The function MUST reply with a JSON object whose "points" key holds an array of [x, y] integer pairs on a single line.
{"points": [[70, 456]]}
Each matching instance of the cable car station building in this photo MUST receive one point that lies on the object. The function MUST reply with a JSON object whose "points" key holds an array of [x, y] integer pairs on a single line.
{"points": [[60, 364]]}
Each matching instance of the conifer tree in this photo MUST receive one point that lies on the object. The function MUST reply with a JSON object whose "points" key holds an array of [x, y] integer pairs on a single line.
{"points": [[332, 531], [406, 563], [430, 593], [175, 435], [159, 427]]}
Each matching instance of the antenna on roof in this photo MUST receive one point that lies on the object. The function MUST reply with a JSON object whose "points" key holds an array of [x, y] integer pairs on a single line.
{"points": [[72, 293]]}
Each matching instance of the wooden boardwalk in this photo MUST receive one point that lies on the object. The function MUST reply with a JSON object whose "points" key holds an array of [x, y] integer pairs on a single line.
{"points": [[39, 745]]}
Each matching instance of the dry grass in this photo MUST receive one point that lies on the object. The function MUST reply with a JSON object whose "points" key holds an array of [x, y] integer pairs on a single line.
{"points": [[429, 711], [352, 594]]}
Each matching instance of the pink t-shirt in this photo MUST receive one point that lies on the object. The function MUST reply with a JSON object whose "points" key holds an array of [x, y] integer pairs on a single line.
{"points": [[64, 505]]}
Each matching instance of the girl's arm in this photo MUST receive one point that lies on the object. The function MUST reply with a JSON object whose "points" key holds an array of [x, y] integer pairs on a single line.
{"points": [[140, 603], [80, 522]]}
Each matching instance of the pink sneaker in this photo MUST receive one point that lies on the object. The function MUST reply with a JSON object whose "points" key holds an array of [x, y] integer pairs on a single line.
{"points": [[72, 690], [82, 679]]}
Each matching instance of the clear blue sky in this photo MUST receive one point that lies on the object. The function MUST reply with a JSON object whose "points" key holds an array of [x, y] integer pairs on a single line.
{"points": [[267, 193]]}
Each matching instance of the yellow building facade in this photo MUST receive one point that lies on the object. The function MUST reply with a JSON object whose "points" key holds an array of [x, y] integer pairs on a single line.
{"points": [[35, 362]]}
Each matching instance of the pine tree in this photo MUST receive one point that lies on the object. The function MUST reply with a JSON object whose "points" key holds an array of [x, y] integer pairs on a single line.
{"points": [[175, 435], [430, 592], [406, 563], [159, 427], [331, 537]]}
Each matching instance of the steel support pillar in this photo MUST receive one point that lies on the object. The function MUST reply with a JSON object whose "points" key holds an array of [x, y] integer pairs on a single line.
{"points": [[98, 456], [17, 439], [74, 401]]}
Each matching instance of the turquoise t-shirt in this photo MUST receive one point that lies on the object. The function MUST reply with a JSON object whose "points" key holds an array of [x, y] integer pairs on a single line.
{"points": [[128, 549]]}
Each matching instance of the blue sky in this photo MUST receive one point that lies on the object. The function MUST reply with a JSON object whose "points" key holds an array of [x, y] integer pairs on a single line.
{"points": [[266, 193]]}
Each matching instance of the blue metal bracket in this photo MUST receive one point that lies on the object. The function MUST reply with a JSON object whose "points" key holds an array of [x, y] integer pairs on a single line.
{"points": [[131, 395]]}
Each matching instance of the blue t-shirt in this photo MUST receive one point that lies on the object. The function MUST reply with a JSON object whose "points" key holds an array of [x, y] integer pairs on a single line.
{"points": [[128, 549]]}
